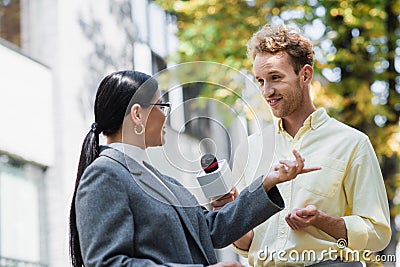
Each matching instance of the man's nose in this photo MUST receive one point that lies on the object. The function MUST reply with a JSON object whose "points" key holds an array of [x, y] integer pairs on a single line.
{"points": [[267, 91]]}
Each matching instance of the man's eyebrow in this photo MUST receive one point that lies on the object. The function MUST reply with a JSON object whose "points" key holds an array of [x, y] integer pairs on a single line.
{"points": [[273, 71]]}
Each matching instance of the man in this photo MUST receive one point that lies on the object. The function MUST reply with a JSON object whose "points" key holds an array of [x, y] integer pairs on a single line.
{"points": [[332, 214]]}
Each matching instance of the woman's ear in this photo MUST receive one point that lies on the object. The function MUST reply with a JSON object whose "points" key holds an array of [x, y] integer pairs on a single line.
{"points": [[136, 113]]}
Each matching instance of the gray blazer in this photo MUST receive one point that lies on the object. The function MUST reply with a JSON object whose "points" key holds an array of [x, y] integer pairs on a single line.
{"points": [[127, 217]]}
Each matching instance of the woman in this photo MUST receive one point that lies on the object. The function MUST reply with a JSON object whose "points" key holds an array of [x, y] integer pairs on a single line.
{"points": [[125, 213]]}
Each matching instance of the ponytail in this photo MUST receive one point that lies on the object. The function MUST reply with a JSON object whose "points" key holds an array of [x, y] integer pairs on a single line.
{"points": [[117, 92], [90, 151]]}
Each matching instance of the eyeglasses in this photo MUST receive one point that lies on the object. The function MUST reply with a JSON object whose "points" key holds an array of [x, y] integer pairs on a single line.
{"points": [[164, 107]]}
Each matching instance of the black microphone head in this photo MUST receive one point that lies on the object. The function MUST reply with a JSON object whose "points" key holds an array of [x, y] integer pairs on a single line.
{"points": [[209, 163]]}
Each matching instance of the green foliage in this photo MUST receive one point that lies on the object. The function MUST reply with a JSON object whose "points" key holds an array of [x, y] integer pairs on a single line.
{"points": [[215, 30], [10, 21], [355, 44], [357, 40], [362, 42]]}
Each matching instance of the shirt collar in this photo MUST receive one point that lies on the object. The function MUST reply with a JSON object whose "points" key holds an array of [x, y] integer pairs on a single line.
{"points": [[316, 119], [136, 153]]}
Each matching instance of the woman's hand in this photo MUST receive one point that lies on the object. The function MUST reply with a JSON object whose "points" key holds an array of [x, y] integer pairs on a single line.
{"points": [[218, 202]]}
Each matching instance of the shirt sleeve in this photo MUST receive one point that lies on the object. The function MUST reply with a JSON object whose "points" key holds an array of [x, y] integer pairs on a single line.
{"points": [[368, 226], [244, 253]]}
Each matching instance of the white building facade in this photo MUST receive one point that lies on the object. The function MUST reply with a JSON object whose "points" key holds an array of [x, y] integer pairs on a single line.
{"points": [[51, 66]]}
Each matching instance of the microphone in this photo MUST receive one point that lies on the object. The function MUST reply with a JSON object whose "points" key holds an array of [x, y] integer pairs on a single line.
{"points": [[209, 163], [215, 178]]}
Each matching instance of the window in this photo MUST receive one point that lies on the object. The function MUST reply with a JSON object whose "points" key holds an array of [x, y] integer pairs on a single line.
{"points": [[10, 21], [22, 220], [198, 124], [158, 63]]}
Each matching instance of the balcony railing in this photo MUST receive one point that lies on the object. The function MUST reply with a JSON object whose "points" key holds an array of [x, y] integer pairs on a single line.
{"points": [[9, 262]]}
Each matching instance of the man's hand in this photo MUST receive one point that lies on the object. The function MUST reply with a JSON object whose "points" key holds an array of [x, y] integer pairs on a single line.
{"points": [[286, 171], [227, 264], [299, 219], [219, 202]]}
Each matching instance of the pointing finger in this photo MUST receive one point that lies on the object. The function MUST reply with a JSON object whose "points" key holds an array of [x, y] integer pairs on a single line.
{"points": [[310, 169]]}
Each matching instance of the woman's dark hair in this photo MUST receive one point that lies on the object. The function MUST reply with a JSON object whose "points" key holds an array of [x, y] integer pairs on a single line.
{"points": [[115, 96]]}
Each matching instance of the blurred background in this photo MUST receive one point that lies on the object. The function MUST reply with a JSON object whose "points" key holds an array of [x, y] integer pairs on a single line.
{"points": [[53, 54]]}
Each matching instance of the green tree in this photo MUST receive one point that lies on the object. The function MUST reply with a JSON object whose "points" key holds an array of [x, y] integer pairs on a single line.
{"points": [[10, 21], [369, 101], [357, 45]]}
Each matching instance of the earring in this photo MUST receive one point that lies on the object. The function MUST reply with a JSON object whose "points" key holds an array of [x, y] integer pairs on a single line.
{"points": [[141, 131]]}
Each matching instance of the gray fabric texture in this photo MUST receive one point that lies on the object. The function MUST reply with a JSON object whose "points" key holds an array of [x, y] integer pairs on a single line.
{"points": [[128, 217]]}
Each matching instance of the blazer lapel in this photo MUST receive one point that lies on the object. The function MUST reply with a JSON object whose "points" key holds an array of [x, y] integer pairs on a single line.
{"points": [[179, 208], [158, 188], [149, 184]]}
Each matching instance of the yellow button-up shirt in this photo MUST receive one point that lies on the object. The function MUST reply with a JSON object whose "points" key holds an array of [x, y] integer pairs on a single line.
{"points": [[350, 185]]}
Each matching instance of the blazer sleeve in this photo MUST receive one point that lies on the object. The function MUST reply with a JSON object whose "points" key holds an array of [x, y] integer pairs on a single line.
{"points": [[105, 222], [252, 207]]}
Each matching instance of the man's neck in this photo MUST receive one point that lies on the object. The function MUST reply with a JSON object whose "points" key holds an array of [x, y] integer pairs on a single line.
{"points": [[294, 122]]}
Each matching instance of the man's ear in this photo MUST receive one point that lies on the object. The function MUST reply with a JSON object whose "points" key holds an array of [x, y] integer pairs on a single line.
{"points": [[136, 113], [307, 73]]}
